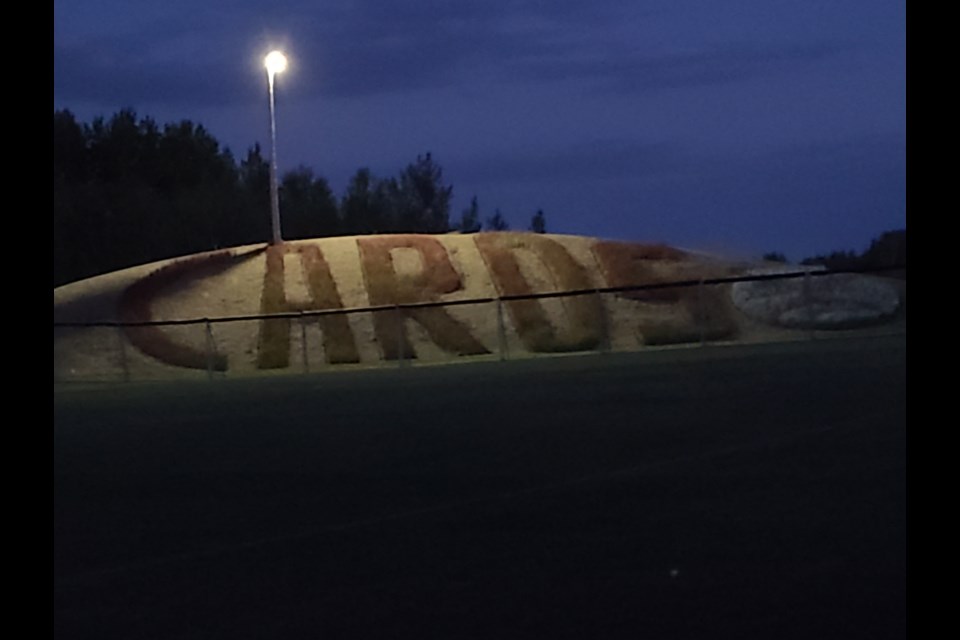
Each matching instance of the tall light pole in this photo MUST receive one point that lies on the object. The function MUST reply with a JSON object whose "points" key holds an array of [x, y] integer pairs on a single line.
{"points": [[275, 62]]}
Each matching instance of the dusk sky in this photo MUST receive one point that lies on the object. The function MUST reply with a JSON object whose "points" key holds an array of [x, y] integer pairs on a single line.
{"points": [[740, 126]]}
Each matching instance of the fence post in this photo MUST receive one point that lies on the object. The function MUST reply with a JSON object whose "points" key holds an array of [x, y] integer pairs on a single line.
{"points": [[808, 302], [401, 356], [303, 342], [701, 314], [210, 348], [123, 354], [501, 331], [605, 346]]}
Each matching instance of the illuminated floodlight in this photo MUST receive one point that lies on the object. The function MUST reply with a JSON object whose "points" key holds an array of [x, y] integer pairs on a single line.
{"points": [[275, 62]]}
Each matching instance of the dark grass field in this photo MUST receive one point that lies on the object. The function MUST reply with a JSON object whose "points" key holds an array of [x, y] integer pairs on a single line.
{"points": [[718, 492]]}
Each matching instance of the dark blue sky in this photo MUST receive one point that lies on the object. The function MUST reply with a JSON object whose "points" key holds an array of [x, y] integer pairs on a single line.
{"points": [[742, 126]]}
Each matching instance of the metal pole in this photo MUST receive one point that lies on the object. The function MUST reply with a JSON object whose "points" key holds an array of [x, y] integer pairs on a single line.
{"points": [[210, 348], [123, 355], [400, 354], [501, 331], [701, 313], [303, 343], [808, 301], [604, 328], [274, 191]]}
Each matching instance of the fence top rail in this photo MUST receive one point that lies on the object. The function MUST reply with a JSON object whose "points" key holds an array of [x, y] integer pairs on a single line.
{"points": [[799, 273]]}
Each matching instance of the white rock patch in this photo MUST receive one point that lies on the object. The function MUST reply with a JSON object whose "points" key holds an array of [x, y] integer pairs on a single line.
{"points": [[838, 301]]}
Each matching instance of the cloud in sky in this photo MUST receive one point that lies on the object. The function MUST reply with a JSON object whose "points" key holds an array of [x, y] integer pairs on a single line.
{"points": [[665, 101], [369, 48]]}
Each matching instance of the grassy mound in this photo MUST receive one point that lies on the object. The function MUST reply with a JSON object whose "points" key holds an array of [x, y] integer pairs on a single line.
{"points": [[504, 254], [274, 340], [379, 275], [155, 341], [436, 277]]}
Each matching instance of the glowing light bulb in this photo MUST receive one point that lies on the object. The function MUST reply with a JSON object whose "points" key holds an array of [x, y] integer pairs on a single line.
{"points": [[275, 62]]}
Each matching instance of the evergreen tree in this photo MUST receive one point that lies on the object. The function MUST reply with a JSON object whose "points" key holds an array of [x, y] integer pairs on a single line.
{"points": [[890, 249], [362, 208], [538, 224], [139, 193], [307, 206], [420, 197], [497, 222], [774, 256], [470, 218]]}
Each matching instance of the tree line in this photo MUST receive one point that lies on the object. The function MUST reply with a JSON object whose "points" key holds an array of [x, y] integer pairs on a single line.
{"points": [[127, 191], [889, 249]]}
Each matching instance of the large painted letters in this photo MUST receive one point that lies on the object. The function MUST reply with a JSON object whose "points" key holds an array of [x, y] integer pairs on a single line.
{"points": [[273, 351], [400, 270], [688, 313], [583, 323], [387, 287], [136, 307]]}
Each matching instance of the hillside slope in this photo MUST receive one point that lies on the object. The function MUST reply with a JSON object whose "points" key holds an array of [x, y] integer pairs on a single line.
{"points": [[304, 277]]}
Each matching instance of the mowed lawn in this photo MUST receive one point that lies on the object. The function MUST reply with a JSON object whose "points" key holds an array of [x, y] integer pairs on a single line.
{"points": [[716, 492]]}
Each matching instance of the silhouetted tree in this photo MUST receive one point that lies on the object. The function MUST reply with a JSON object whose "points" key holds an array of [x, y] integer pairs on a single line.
{"points": [[362, 209], [199, 184], [890, 249], [887, 250], [774, 256], [307, 206], [70, 174], [69, 147], [417, 201], [420, 197], [835, 260], [538, 224], [254, 178], [470, 218], [127, 192], [497, 222]]}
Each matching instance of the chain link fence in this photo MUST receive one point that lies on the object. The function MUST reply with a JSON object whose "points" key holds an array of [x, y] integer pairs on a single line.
{"points": [[795, 304]]}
